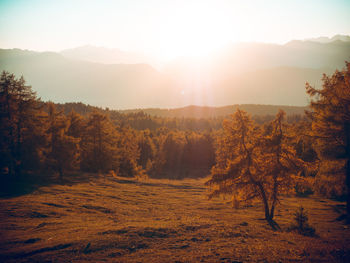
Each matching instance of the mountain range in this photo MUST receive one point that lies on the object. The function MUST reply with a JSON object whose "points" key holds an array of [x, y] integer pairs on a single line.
{"points": [[243, 73], [108, 55]]}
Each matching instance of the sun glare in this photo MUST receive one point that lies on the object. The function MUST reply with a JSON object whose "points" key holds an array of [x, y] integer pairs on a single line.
{"points": [[195, 31]]}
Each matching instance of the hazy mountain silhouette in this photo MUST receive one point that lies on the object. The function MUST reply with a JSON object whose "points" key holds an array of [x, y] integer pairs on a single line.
{"points": [[244, 57], [331, 39], [60, 79], [107, 55], [245, 73]]}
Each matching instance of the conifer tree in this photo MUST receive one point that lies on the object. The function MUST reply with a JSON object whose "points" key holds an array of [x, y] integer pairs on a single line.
{"points": [[237, 170], [252, 164], [129, 153], [147, 149], [76, 125], [99, 144], [330, 115], [19, 110], [281, 164], [62, 149]]}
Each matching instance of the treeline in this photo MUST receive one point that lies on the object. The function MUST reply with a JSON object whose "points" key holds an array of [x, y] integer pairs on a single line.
{"points": [[53, 138], [205, 112], [140, 120], [44, 137]]}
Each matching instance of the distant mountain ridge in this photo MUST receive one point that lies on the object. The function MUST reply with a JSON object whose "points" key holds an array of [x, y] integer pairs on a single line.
{"points": [[343, 38], [107, 55], [245, 73], [60, 79]]}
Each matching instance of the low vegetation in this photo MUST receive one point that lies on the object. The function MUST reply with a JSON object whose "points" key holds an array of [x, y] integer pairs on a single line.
{"points": [[301, 223]]}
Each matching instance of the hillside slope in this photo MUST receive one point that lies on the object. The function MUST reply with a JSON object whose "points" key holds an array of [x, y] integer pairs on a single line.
{"points": [[118, 220]]}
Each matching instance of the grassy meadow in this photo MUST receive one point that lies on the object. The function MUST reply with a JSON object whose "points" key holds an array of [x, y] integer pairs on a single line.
{"points": [[113, 219]]}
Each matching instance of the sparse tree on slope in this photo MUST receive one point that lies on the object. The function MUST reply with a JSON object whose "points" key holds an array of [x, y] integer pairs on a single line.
{"points": [[252, 164], [280, 164]]}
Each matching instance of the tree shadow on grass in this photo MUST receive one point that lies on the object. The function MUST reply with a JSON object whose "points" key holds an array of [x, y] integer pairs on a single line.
{"points": [[13, 186]]}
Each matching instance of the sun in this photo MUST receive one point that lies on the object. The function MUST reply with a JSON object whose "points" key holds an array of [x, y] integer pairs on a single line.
{"points": [[195, 31]]}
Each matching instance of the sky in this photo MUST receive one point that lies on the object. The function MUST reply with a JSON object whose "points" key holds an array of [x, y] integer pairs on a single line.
{"points": [[163, 28]]}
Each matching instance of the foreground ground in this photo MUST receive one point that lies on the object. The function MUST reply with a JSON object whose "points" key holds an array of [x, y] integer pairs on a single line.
{"points": [[116, 220]]}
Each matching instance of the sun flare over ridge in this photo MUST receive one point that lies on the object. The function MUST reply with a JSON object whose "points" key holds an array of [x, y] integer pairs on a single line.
{"points": [[196, 31]]}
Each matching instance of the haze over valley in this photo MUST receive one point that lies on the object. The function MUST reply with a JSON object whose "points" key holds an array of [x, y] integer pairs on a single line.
{"points": [[241, 73]]}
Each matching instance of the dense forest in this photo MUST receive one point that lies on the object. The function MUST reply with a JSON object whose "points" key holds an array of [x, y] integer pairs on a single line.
{"points": [[73, 136], [246, 156], [39, 136]]}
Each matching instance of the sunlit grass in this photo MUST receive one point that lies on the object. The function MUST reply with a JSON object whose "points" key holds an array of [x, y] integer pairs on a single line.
{"points": [[148, 220]]}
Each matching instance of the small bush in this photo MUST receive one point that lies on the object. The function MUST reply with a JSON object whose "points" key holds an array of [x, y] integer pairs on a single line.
{"points": [[301, 224], [303, 191]]}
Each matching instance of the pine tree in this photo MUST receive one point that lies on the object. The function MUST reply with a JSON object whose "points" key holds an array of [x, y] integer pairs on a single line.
{"points": [[146, 147], [63, 151], [281, 164], [19, 110], [237, 169], [254, 164], [330, 115], [99, 145], [129, 153], [76, 125]]}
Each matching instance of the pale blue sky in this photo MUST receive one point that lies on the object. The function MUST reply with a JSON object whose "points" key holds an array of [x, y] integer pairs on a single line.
{"points": [[166, 28]]}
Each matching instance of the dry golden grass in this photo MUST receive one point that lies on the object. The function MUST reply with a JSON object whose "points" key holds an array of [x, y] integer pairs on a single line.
{"points": [[125, 220]]}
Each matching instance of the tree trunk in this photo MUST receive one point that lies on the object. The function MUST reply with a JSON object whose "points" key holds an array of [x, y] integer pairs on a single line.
{"points": [[60, 170], [12, 161], [274, 197], [348, 192], [272, 212], [18, 157], [347, 171], [268, 215], [265, 201]]}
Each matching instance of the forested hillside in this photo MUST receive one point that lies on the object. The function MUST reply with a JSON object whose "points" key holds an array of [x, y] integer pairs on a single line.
{"points": [[215, 112]]}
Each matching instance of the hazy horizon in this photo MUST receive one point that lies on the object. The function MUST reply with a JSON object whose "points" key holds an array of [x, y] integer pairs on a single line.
{"points": [[166, 29], [243, 74], [170, 60], [169, 54]]}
